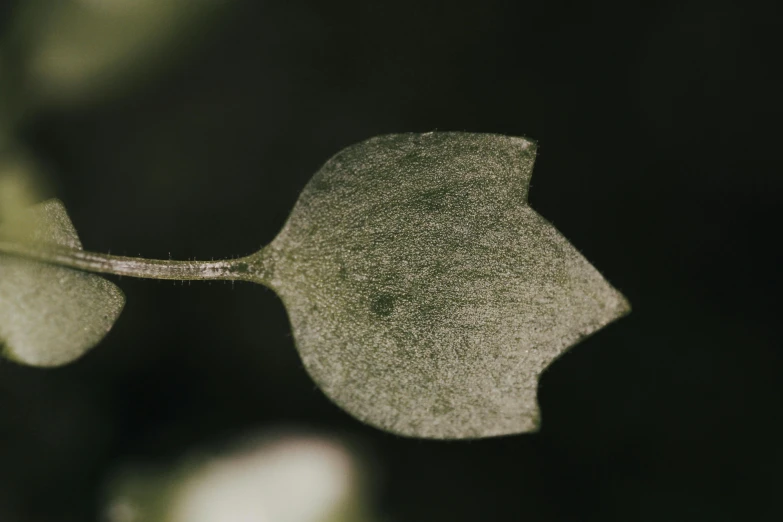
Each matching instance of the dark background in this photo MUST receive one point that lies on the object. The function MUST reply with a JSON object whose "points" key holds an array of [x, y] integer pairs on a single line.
{"points": [[659, 158]]}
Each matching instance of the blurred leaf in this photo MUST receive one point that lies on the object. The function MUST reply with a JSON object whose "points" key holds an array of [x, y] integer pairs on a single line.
{"points": [[49, 315], [425, 296], [80, 50], [22, 183]]}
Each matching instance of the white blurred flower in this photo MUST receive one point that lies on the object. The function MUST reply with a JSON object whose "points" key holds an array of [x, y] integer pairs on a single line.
{"points": [[293, 478]]}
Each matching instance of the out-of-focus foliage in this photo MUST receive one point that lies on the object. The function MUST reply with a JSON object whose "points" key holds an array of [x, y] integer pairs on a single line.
{"points": [[290, 478], [22, 184], [77, 51], [50, 315], [65, 53]]}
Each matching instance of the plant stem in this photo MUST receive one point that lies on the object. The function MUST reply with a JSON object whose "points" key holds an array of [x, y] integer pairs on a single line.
{"points": [[251, 268]]}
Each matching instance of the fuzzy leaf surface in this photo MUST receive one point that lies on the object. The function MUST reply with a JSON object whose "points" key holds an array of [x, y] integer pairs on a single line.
{"points": [[425, 295], [50, 316]]}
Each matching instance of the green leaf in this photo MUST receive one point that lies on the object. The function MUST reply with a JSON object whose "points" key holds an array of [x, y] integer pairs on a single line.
{"points": [[50, 315], [425, 296], [80, 51]]}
